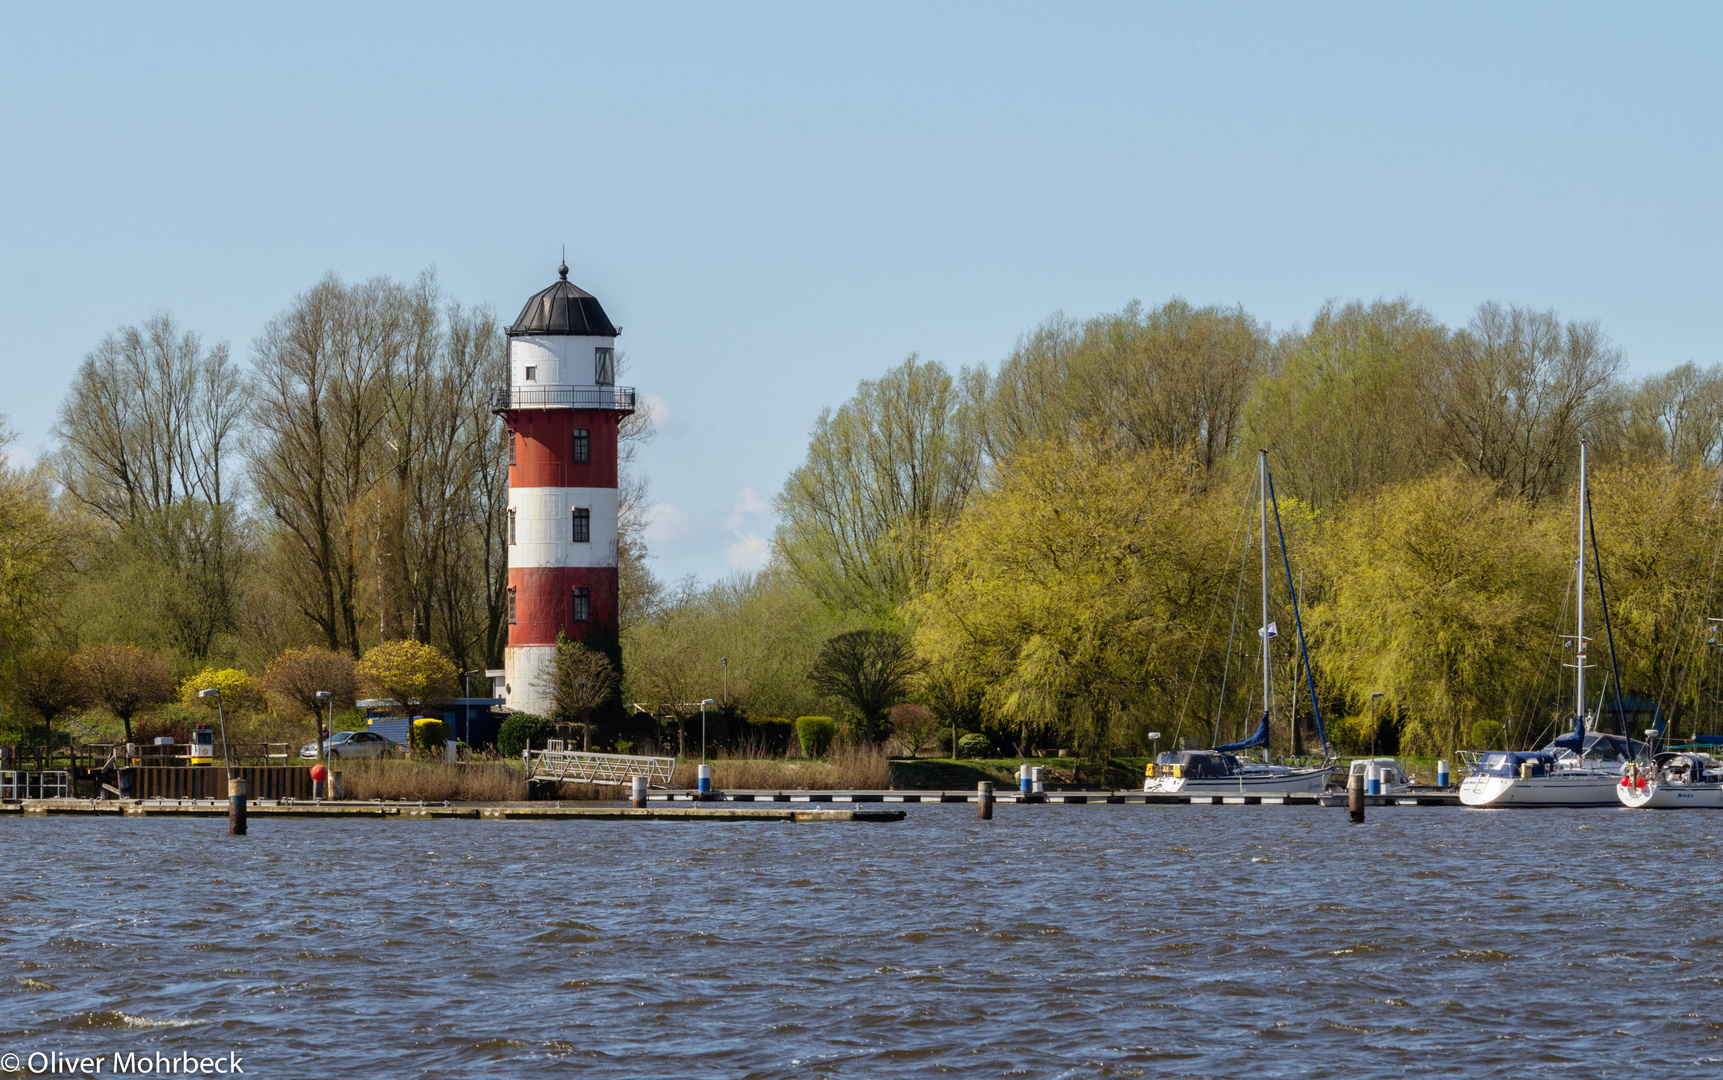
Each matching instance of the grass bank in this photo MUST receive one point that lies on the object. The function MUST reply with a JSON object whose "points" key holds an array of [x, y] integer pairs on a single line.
{"points": [[432, 781], [845, 767]]}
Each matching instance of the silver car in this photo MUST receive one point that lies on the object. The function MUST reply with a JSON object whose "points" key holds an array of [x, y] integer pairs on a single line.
{"points": [[353, 745]]}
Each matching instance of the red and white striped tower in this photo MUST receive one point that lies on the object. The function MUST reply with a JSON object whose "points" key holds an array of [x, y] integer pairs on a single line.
{"points": [[562, 408]]}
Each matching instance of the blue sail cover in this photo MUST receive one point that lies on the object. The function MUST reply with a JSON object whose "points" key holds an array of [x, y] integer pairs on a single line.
{"points": [[1259, 739], [1575, 739]]}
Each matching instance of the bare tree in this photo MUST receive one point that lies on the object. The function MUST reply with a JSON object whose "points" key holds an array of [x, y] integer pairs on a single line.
{"points": [[581, 680], [124, 679], [1520, 388], [146, 434]]}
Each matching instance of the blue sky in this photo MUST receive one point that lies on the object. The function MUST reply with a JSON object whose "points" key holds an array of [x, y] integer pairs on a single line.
{"points": [[777, 201]]}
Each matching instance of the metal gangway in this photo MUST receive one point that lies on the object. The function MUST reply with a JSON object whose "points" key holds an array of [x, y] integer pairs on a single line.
{"points": [[584, 767], [18, 784]]}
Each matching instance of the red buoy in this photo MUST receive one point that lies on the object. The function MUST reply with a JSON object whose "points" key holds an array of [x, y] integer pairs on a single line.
{"points": [[318, 773]]}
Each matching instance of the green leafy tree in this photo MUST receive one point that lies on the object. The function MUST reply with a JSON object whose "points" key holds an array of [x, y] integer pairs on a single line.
{"points": [[815, 733], [870, 671], [406, 672], [883, 474], [238, 689], [1439, 595]]}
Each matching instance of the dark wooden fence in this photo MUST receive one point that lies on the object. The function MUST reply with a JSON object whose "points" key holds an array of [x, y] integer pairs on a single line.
{"points": [[210, 782]]}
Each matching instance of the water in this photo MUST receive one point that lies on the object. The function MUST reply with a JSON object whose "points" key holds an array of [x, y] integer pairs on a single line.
{"points": [[1052, 941]]}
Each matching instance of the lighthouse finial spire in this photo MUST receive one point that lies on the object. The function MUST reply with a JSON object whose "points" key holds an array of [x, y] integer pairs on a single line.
{"points": [[562, 271]]}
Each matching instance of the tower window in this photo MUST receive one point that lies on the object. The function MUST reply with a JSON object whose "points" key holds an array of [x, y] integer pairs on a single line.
{"points": [[511, 607], [531, 373], [582, 525], [604, 366], [511, 525], [582, 445], [511, 448], [582, 605]]}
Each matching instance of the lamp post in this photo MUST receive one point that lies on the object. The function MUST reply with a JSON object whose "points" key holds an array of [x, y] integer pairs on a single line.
{"points": [[235, 786], [221, 716], [703, 705], [725, 660]]}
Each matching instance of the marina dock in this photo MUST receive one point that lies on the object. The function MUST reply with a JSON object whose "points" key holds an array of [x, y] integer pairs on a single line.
{"points": [[1432, 797]]}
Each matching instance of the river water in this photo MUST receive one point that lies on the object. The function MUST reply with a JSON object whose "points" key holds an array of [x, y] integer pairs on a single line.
{"points": [[1052, 941]]}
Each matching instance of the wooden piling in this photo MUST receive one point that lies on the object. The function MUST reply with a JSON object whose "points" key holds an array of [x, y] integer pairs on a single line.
{"points": [[236, 807], [984, 800], [1355, 798]]}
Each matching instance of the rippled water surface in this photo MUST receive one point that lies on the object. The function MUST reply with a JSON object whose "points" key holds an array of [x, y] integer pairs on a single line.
{"points": [[1052, 941]]}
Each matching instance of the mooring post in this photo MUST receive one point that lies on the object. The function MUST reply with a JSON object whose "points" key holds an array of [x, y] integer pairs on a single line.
{"points": [[334, 783], [1023, 782], [1355, 798], [1372, 779], [984, 800], [236, 807], [637, 792], [705, 780], [1442, 774], [1037, 786]]}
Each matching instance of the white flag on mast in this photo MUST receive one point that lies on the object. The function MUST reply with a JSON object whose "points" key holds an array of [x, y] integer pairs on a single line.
{"points": [[1271, 630]]}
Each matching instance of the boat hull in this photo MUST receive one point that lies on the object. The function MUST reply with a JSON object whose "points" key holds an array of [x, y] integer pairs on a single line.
{"points": [[1656, 795], [1291, 782], [1591, 789]]}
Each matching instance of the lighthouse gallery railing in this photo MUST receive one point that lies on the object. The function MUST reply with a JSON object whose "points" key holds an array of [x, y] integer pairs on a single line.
{"points": [[620, 398]]}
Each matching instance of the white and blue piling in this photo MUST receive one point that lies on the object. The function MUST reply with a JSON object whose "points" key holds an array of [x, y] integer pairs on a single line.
{"points": [[1025, 781], [1441, 774], [705, 780], [1372, 780]]}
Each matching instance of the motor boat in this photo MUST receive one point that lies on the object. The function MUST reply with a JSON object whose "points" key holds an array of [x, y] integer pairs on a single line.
{"points": [[1674, 780]]}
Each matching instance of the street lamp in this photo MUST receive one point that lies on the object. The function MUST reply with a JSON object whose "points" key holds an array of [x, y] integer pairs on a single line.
{"points": [[703, 705], [725, 660], [221, 715], [328, 698]]}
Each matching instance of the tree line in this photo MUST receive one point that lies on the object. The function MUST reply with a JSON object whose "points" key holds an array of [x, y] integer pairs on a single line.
{"points": [[341, 486], [1062, 542]]}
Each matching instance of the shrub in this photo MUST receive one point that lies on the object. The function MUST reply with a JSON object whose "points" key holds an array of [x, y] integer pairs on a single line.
{"points": [[429, 736], [237, 689], [522, 731], [816, 734], [406, 671], [916, 727], [1488, 735], [974, 745]]}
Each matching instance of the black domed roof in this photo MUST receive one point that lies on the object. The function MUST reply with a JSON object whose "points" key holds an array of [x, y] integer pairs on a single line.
{"points": [[563, 309]]}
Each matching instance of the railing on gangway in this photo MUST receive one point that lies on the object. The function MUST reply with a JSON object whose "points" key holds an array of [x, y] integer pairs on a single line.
{"points": [[583, 767], [19, 784]]}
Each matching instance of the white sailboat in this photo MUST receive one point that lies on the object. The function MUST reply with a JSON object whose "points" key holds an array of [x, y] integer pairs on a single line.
{"points": [[1582, 768], [1221, 771], [1676, 780]]}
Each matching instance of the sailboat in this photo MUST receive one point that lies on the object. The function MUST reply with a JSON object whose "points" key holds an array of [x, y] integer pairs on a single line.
{"points": [[1221, 770], [1581, 768]]}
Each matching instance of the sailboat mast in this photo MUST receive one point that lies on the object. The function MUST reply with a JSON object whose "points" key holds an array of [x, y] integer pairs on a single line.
{"points": [[1267, 681], [1579, 607]]}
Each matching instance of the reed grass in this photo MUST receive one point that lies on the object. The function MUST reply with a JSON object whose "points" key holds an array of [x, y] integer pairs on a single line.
{"points": [[861, 768], [433, 781]]}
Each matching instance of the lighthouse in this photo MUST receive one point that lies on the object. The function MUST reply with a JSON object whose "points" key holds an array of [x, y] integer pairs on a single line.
{"points": [[562, 407]]}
